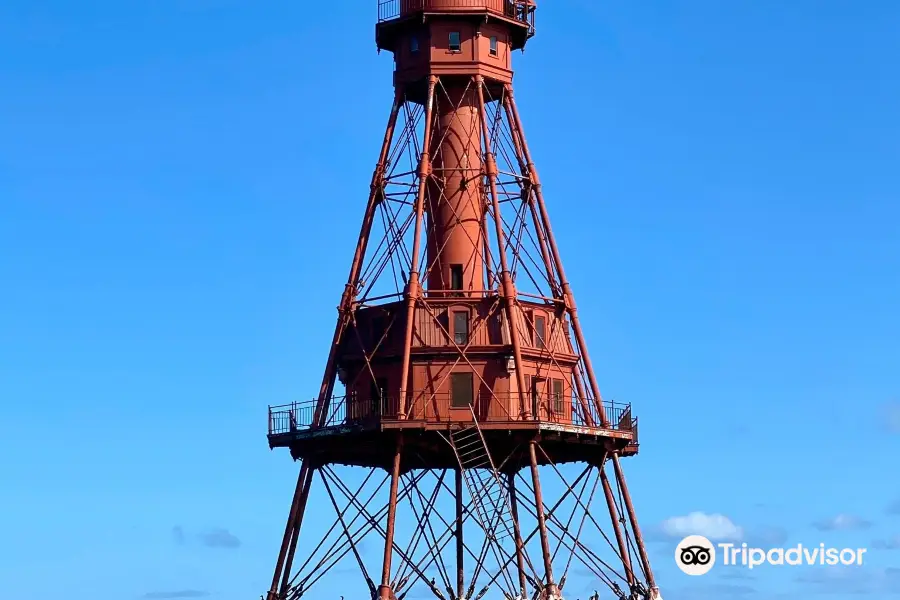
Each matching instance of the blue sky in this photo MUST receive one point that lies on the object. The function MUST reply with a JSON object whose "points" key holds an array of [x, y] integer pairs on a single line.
{"points": [[181, 183]]}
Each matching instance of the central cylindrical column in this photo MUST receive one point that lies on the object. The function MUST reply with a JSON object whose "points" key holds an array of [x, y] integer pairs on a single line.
{"points": [[455, 202]]}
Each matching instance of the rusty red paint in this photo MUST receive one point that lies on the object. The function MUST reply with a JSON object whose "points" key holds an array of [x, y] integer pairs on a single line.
{"points": [[460, 345]]}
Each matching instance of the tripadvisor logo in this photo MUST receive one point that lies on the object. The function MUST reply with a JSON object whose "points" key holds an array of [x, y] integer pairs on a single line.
{"points": [[696, 555]]}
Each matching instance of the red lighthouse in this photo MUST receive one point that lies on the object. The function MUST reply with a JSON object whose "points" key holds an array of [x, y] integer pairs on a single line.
{"points": [[458, 368]]}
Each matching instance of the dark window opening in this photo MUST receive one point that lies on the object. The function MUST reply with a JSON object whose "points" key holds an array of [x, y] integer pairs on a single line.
{"points": [[378, 330], [493, 45], [461, 328], [455, 44], [461, 390], [540, 331], [413, 44], [456, 277], [558, 396]]}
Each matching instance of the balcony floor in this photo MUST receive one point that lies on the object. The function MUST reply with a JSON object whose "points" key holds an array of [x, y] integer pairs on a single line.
{"points": [[371, 443]]}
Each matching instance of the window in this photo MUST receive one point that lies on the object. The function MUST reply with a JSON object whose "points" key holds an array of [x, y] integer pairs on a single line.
{"points": [[461, 328], [455, 44], [461, 392], [413, 44], [493, 45], [540, 331], [456, 277], [558, 396], [377, 330]]}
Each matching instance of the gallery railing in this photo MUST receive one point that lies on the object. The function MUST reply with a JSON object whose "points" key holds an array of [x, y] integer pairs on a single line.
{"points": [[520, 10], [439, 408]]}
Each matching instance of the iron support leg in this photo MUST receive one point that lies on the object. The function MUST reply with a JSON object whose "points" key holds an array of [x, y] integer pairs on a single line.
{"points": [[520, 554], [384, 591], [507, 286], [554, 250], [413, 287], [552, 591], [304, 496], [460, 545], [345, 310], [294, 517], [638, 539], [617, 526]]}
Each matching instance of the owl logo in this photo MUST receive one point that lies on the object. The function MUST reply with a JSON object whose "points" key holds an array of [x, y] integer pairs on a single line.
{"points": [[695, 555]]}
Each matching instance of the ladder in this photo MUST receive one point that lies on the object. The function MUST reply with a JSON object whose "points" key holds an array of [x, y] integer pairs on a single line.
{"points": [[486, 488]]}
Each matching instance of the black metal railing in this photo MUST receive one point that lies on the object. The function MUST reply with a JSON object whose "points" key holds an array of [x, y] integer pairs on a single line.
{"points": [[298, 416], [520, 10], [440, 408], [388, 9]]}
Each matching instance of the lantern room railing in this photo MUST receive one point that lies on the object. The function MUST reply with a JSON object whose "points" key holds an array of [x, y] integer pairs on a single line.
{"points": [[520, 10]]}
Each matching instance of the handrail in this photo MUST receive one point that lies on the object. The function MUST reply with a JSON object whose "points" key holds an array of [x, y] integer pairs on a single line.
{"points": [[437, 408], [520, 10]]}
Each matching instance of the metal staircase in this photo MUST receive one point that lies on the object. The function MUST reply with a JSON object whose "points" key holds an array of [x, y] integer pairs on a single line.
{"points": [[490, 493], [486, 488]]}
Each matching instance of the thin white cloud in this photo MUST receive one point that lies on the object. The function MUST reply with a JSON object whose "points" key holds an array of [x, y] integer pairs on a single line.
{"points": [[714, 527], [891, 543], [219, 538], [842, 522]]}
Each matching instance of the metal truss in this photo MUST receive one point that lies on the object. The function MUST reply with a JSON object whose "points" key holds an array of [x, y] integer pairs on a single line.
{"points": [[574, 546], [528, 548], [519, 251]]}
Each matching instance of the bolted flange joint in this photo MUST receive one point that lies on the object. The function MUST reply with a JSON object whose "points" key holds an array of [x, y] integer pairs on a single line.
{"points": [[413, 289], [377, 177], [490, 165], [507, 287], [533, 176], [376, 188], [347, 299], [569, 298], [425, 165]]}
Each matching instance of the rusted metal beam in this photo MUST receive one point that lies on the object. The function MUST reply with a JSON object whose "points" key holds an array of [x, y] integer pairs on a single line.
{"points": [[413, 287], [552, 591], [462, 228], [632, 516], [460, 542], [385, 592], [520, 545]]}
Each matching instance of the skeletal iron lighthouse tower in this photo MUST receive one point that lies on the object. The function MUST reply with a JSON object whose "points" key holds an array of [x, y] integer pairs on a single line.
{"points": [[458, 423]]}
